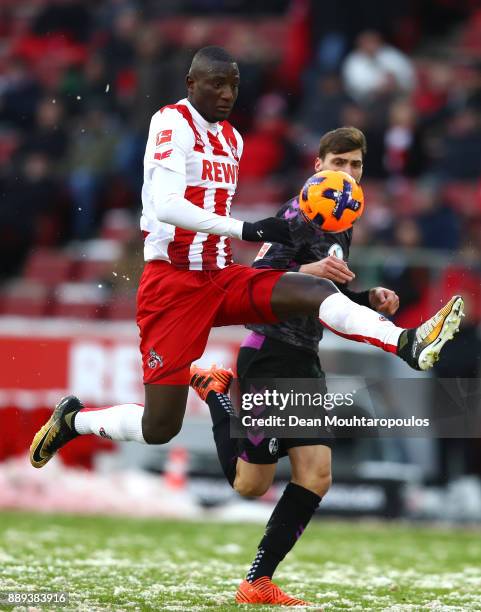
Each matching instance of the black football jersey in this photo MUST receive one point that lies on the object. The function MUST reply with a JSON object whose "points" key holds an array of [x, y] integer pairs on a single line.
{"points": [[310, 244]]}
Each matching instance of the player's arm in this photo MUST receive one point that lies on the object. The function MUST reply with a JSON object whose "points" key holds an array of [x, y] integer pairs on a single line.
{"points": [[336, 269], [333, 268], [171, 207], [170, 140], [380, 299], [360, 297]]}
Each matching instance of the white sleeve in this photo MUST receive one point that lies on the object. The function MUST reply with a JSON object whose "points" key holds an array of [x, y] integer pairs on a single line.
{"points": [[168, 189], [170, 138]]}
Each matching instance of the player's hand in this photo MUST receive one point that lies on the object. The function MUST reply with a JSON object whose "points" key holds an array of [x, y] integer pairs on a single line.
{"points": [[384, 300], [272, 229], [332, 268]]}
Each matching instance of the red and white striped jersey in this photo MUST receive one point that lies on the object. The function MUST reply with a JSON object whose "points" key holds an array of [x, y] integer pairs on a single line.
{"points": [[208, 154]]}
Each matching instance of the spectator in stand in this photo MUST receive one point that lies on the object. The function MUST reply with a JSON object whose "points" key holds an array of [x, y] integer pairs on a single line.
{"points": [[373, 127], [91, 160], [267, 148], [72, 17], [473, 87], [160, 70], [253, 58], [464, 362], [375, 69], [438, 223], [19, 95], [27, 201], [321, 107], [119, 50], [88, 86], [408, 281], [431, 97], [403, 147], [49, 135], [460, 157]]}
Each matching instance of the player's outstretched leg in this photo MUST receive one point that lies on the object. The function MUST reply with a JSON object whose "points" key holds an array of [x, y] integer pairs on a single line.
{"points": [[56, 432], [71, 418], [156, 422], [419, 347], [299, 294]]}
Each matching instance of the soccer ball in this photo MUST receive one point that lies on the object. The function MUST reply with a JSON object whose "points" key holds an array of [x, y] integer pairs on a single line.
{"points": [[332, 200]]}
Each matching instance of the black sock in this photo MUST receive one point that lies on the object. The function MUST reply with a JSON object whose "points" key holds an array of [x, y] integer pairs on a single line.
{"points": [[221, 410], [405, 348], [290, 517]]}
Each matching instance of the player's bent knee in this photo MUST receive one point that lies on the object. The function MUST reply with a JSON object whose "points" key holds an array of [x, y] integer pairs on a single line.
{"points": [[323, 288], [159, 434], [319, 483], [300, 294], [250, 488], [323, 484]]}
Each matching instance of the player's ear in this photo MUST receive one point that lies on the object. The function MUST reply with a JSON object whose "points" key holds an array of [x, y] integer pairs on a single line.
{"points": [[318, 164]]}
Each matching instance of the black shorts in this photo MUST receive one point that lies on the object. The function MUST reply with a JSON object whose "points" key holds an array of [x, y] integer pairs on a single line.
{"points": [[276, 359]]}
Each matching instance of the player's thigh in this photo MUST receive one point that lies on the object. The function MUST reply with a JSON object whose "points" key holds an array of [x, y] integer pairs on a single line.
{"points": [[247, 295], [163, 412], [253, 479], [300, 294], [311, 467]]}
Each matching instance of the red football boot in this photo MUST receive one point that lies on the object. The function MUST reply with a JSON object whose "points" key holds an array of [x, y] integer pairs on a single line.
{"points": [[214, 379], [264, 591]]}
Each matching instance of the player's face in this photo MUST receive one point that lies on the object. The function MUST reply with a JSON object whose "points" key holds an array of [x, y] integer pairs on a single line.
{"points": [[350, 162], [213, 91]]}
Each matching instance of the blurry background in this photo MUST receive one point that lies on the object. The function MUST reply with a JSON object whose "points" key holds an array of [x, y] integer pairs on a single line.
{"points": [[79, 81]]}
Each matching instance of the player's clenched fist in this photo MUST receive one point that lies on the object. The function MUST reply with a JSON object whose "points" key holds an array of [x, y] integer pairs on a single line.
{"points": [[331, 267], [384, 300], [272, 229]]}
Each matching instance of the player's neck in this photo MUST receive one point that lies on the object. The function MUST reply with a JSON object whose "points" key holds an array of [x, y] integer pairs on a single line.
{"points": [[208, 124]]}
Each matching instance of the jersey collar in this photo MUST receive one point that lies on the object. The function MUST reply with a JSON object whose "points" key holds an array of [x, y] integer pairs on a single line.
{"points": [[211, 127]]}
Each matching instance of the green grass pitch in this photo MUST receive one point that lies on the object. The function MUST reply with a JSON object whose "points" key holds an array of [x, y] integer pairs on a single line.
{"points": [[129, 564]]}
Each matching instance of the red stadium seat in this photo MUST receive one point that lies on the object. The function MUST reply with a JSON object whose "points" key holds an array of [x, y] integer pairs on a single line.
{"points": [[471, 35], [94, 270], [122, 307], [25, 298], [464, 197], [48, 266], [259, 192], [464, 281], [95, 259], [22, 426], [80, 300], [119, 225]]}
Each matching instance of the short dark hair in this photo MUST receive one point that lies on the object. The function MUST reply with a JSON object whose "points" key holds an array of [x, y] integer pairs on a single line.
{"points": [[213, 54], [342, 140]]}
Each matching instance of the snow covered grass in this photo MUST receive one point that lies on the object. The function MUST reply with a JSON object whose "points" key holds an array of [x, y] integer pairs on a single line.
{"points": [[147, 564]]}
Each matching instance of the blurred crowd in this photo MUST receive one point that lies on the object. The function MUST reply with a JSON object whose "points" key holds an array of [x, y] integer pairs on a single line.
{"points": [[79, 81]]}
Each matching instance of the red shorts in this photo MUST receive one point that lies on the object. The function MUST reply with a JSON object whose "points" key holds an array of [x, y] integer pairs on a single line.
{"points": [[176, 309]]}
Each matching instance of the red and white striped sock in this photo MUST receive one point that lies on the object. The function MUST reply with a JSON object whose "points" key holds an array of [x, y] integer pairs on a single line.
{"points": [[359, 323], [123, 422]]}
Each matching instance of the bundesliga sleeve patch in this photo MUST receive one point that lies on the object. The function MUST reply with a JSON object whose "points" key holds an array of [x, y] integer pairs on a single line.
{"points": [[163, 137]]}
